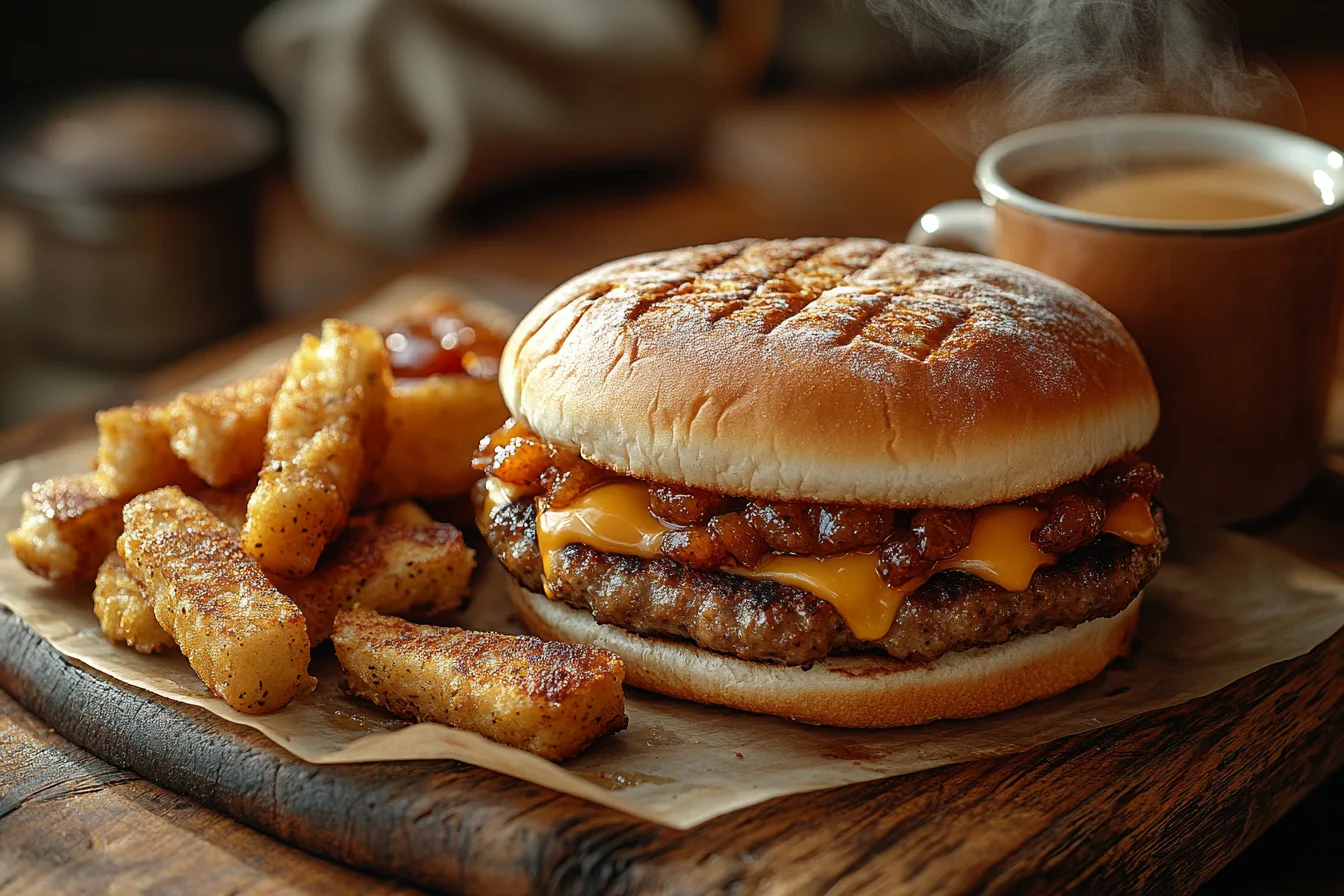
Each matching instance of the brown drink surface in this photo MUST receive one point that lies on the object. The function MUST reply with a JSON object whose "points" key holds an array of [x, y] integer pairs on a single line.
{"points": [[1192, 191]]}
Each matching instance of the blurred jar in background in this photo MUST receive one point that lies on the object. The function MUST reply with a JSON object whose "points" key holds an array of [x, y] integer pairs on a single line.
{"points": [[138, 206]]}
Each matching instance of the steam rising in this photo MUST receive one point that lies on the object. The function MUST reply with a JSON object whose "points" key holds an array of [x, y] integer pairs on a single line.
{"points": [[1050, 60]]}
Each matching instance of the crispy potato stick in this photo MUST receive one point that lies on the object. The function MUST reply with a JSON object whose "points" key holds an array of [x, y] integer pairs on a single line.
{"points": [[220, 433], [68, 526], [135, 452], [418, 570], [126, 617], [326, 428], [395, 559], [547, 697], [246, 640], [119, 602], [433, 426]]}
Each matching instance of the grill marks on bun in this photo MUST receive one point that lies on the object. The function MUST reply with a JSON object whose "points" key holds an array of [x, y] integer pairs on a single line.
{"points": [[831, 370]]}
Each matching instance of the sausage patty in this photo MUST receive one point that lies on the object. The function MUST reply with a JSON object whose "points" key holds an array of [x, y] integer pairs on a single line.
{"points": [[770, 622]]}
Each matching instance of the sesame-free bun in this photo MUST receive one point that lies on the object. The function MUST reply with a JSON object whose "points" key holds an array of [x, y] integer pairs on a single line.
{"points": [[831, 370], [862, 690]]}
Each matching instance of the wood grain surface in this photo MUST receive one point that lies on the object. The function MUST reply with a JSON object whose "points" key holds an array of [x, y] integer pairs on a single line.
{"points": [[70, 821]]}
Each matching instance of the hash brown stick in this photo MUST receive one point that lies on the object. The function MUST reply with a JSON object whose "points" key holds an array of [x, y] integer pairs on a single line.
{"points": [[221, 433], [433, 425], [118, 600], [395, 559], [69, 525], [246, 640], [120, 605], [326, 428], [546, 697], [419, 570], [135, 451]]}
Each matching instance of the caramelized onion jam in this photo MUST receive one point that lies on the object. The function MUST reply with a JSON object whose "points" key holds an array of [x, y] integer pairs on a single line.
{"points": [[440, 336], [709, 530]]}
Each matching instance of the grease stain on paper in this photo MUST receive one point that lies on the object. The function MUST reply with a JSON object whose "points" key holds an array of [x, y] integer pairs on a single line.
{"points": [[624, 780]]}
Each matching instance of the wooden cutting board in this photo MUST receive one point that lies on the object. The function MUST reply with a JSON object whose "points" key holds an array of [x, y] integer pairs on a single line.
{"points": [[1155, 804]]}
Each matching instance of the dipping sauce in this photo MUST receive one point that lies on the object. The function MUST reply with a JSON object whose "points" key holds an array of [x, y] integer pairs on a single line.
{"points": [[441, 338]]}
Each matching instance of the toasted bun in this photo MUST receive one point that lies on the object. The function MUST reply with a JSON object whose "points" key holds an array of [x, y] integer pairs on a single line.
{"points": [[856, 690], [831, 370]]}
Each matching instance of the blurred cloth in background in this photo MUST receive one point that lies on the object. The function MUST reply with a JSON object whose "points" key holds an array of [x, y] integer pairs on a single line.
{"points": [[398, 106]]}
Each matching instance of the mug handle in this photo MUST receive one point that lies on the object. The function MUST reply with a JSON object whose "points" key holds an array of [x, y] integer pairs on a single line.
{"points": [[960, 224]]}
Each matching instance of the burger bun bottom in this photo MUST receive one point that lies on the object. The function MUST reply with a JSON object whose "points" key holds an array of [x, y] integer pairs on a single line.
{"points": [[866, 690]]}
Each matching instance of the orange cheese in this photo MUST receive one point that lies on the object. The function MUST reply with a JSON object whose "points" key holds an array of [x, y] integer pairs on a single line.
{"points": [[498, 492], [1132, 520], [615, 519], [1001, 551], [849, 582]]}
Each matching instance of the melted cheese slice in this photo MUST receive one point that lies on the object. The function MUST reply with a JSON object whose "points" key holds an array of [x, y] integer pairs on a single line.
{"points": [[1132, 520], [849, 582], [615, 519], [498, 493]]}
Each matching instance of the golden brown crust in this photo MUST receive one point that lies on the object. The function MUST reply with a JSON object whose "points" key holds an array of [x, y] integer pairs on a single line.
{"points": [[831, 370], [135, 451], [246, 640], [122, 611], [419, 571], [856, 691], [433, 426], [548, 698], [327, 430], [219, 433], [69, 525]]}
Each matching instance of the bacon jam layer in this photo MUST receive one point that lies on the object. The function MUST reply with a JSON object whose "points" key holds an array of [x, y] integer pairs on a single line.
{"points": [[862, 561], [767, 621], [704, 530]]}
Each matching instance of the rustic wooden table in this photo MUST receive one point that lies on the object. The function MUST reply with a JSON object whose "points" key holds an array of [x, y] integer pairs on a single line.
{"points": [[70, 822]]}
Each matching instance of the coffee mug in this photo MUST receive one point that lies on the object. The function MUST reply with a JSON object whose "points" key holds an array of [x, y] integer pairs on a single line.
{"points": [[1238, 318]]}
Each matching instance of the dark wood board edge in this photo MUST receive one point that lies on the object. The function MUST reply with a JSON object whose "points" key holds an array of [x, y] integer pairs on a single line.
{"points": [[240, 773], [72, 823], [1156, 804]]}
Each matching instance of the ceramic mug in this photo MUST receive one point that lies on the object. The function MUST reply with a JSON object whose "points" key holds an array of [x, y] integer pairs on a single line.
{"points": [[1238, 319]]}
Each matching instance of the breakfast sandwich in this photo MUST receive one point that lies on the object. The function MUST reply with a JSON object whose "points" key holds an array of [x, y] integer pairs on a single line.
{"points": [[846, 482]]}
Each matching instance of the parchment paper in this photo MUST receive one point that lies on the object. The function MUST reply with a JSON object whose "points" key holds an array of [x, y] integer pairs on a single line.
{"points": [[1223, 606]]}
